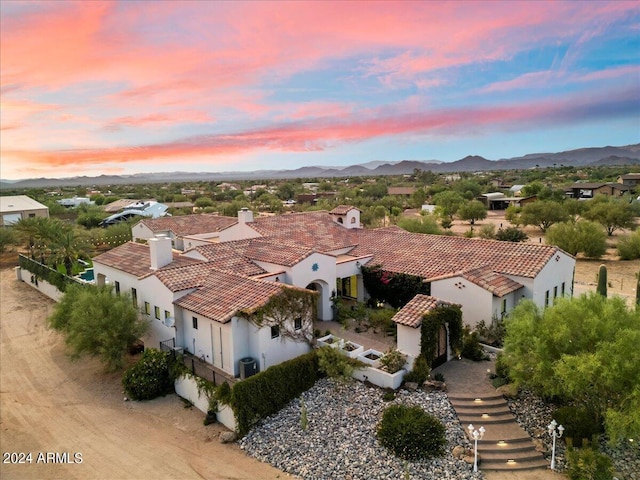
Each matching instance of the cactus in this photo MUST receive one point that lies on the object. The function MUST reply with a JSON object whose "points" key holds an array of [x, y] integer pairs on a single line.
{"points": [[638, 290], [602, 281]]}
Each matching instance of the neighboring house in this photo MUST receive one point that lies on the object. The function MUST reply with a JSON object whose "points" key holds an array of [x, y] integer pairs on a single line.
{"points": [[590, 190], [19, 207], [151, 209], [401, 191], [319, 251], [631, 180], [75, 202], [498, 200]]}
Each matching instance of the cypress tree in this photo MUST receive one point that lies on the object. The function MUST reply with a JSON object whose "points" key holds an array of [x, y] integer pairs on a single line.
{"points": [[602, 281]]}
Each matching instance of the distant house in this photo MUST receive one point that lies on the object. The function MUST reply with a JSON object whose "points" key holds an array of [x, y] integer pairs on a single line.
{"points": [[75, 202], [498, 200], [631, 180], [247, 259], [19, 207], [586, 190], [401, 191], [150, 209]]}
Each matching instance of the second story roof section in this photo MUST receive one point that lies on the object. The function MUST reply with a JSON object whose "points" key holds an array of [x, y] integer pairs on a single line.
{"points": [[432, 256], [314, 230], [188, 224], [136, 259], [224, 295]]}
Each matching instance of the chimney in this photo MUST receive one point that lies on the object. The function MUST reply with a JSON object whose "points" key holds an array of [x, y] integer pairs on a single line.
{"points": [[245, 215], [160, 251]]}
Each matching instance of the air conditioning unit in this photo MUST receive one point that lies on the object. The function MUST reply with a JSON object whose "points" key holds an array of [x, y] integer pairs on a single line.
{"points": [[248, 367]]}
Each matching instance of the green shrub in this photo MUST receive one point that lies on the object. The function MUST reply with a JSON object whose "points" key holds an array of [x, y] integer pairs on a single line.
{"points": [[502, 369], [393, 360], [420, 371], [511, 234], [471, 348], [579, 424], [438, 377], [410, 433], [335, 364], [588, 464], [149, 377], [388, 395], [267, 392], [629, 246]]}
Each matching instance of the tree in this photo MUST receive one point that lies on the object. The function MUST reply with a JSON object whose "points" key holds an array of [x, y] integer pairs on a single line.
{"points": [[532, 188], [582, 351], [512, 214], [472, 210], [611, 214], [543, 214], [97, 322], [448, 203], [579, 237]]}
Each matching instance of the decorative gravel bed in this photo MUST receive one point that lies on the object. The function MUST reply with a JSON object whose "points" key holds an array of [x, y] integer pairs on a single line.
{"points": [[340, 439], [534, 415]]}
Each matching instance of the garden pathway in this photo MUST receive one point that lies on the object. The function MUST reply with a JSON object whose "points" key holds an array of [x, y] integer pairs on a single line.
{"points": [[506, 447]]}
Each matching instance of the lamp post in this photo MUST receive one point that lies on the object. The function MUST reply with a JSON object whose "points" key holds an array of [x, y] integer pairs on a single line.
{"points": [[476, 435], [555, 433]]}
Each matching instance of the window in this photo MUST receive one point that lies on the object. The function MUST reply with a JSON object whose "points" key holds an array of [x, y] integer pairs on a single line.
{"points": [[297, 323], [504, 306], [32, 215], [194, 321], [117, 284], [275, 331], [134, 297], [147, 308], [555, 291], [546, 298], [157, 312], [353, 219], [562, 289], [167, 314]]}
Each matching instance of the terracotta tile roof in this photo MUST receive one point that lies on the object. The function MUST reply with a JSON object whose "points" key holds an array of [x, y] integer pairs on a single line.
{"points": [[224, 294], [494, 282], [309, 229], [431, 256], [134, 259], [185, 276], [343, 209], [190, 224], [411, 314], [401, 190], [230, 257]]}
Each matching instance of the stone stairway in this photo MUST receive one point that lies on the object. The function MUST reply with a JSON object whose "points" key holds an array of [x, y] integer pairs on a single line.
{"points": [[505, 445]]}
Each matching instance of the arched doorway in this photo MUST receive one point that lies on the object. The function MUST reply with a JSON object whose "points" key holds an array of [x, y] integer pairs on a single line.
{"points": [[440, 356], [324, 300]]}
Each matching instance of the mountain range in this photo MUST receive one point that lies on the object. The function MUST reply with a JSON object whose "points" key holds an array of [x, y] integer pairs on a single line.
{"points": [[594, 156]]}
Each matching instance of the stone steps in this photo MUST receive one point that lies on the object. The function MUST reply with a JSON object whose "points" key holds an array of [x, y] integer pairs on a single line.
{"points": [[505, 445]]}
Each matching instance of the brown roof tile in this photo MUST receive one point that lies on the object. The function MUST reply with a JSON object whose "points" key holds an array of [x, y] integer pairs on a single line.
{"points": [[343, 209], [134, 259], [190, 224], [494, 282], [224, 294], [411, 314]]}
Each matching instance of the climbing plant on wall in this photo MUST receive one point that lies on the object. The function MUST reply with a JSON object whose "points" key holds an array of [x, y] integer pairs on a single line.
{"points": [[394, 288], [449, 315], [293, 310]]}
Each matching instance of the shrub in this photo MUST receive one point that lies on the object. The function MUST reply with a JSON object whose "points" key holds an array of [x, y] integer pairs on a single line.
{"points": [[388, 395], [335, 364], [588, 464], [511, 234], [629, 246], [438, 377], [410, 433], [420, 371], [579, 424], [267, 392], [502, 369], [488, 231], [149, 377], [393, 360], [471, 348]]}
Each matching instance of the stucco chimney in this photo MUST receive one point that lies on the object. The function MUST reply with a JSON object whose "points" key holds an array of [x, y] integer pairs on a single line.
{"points": [[160, 251], [245, 215]]}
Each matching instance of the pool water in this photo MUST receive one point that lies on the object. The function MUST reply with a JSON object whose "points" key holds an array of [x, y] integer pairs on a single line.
{"points": [[87, 275]]}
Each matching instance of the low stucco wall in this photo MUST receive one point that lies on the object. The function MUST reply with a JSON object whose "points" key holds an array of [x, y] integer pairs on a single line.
{"points": [[43, 286], [186, 387], [380, 378]]}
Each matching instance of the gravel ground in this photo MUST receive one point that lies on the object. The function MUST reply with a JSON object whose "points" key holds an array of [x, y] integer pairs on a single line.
{"points": [[340, 443]]}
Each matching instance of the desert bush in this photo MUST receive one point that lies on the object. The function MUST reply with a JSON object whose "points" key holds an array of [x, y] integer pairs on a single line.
{"points": [[629, 246], [471, 348], [393, 360], [579, 424], [588, 464], [511, 234], [411, 433], [420, 371], [149, 377]]}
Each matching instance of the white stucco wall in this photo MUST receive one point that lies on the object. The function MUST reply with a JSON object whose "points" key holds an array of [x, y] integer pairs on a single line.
{"points": [[238, 231], [186, 387], [558, 270], [475, 301], [409, 340], [43, 286]]}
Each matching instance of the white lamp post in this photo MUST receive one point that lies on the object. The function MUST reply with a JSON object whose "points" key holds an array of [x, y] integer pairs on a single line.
{"points": [[555, 433], [476, 435]]}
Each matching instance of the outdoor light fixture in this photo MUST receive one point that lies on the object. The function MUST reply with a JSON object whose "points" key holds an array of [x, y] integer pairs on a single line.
{"points": [[358, 264], [476, 435], [555, 433]]}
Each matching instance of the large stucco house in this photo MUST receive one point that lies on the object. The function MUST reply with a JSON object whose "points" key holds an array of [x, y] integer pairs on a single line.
{"points": [[220, 267]]}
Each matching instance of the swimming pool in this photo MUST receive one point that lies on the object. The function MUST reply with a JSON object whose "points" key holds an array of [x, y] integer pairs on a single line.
{"points": [[87, 275]]}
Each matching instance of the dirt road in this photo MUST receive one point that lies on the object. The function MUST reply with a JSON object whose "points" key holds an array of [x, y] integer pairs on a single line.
{"points": [[50, 404]]}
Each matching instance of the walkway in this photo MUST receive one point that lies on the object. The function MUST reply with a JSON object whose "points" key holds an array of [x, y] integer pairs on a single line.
{"points": [[506, 447]]}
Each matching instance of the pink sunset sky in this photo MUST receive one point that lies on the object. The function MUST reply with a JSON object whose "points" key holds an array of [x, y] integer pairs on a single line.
{"points": [[90, 88]]}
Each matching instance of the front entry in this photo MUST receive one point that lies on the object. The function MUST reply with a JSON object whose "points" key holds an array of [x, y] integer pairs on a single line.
{"points": [[441, 348]]}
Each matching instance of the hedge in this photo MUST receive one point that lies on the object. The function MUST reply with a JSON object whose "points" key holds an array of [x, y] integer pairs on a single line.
{"points": [[267, 392]]}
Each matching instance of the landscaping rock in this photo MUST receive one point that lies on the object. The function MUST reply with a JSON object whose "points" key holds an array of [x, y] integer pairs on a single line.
{"points": [[228, 437], [508, 391], [435, 386], [459, 451], [411, 386]]}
